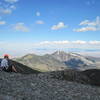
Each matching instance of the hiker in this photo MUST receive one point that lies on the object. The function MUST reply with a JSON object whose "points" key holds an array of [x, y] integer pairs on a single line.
{"points": [[7, 65]]}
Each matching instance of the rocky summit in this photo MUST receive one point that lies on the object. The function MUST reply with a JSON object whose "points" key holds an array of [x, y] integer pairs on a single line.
{"points": [[47, 86]]}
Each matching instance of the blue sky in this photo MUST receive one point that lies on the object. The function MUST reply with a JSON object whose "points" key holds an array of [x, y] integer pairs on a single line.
{"points": [[47, 25]]}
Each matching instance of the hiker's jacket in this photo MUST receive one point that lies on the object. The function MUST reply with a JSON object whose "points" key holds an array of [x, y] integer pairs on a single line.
{"points": [[4, 63]]}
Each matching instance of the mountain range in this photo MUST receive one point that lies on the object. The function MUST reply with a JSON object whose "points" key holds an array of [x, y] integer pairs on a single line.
{"points": [[41, 63], [29, 83], [58, 60]]}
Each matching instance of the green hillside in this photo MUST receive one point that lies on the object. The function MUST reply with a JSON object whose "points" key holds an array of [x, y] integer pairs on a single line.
{"points": [[41, 63]]}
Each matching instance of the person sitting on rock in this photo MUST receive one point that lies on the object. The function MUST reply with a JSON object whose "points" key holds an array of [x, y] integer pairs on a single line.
{"points": [[6, 64]]}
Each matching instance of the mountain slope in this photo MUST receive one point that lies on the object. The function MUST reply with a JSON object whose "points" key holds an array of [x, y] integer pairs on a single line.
{"points": [[74, 60], [42, 63]]}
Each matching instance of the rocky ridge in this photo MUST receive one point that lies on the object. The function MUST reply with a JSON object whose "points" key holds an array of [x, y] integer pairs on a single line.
{"points": [[47, 86]]}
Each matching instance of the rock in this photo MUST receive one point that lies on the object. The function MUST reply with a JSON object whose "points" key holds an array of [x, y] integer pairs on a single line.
{"points": [[71, 75], [44, 86], [93, 75]]}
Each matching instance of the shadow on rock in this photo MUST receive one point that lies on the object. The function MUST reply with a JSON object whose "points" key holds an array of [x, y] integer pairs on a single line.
{"points": [[93, 75]]}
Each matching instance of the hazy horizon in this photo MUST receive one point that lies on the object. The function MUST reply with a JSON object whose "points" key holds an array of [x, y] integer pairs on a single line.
{"points": [[35, 26]]}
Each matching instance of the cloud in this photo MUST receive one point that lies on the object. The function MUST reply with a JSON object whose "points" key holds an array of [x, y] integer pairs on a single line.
{"points": [[13, 7], [11, 1], [5, 11], [2, 22], [90, 25], [60, 25], [84, 29], [79, 42], [21, 27], [87, 22], [71, 46], [94, 42], [22, 48], [7, 7], [39, 22], [54, 42], [38, 13]]}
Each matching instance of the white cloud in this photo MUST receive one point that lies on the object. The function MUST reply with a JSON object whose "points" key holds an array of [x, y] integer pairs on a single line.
{"points": [[94, 42], [5, 11], [45, 42], [21, 27], [61, 42], [87, 22], [38, 13], [54, 42], [60, 25], [7, 7], [11, 1], [84, 29], [90, 25], [98, 21], [79, 42], [93, 23], [78, 46], [2, 22], [13, 7], [21, 48], [39, 22]]}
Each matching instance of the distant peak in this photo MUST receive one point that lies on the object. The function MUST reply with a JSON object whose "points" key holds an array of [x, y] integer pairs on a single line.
{"points": [[59, 52]]}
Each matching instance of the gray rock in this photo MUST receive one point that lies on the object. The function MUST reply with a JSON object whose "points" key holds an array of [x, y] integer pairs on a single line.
{"points": [[43, 86]]}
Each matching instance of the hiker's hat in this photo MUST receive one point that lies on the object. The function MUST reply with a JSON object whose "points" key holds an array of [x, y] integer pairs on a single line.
{"points": [[6, 55]]}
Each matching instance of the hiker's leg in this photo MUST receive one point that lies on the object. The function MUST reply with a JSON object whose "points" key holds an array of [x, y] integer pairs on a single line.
{"points": [[9, 69], [14, 69]]}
